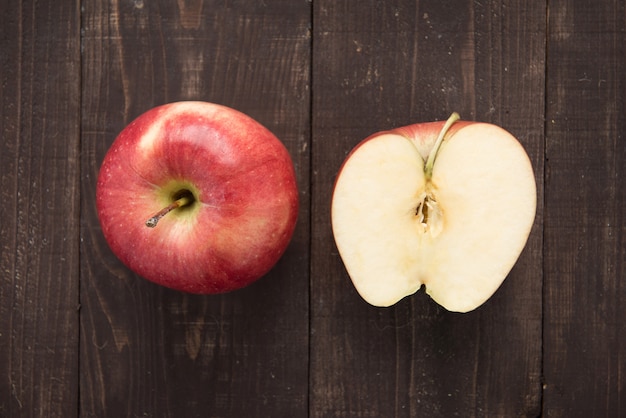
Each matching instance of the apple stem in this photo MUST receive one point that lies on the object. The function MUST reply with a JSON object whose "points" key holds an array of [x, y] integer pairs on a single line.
{"points": [[153, 221], [454, 117]]}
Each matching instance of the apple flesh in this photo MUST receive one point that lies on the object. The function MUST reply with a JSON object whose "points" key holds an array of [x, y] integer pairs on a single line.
{"points": [[445, 205], [197, 197]]}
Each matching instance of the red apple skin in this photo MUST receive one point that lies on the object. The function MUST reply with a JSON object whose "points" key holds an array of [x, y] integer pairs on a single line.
{"points": [[428, 130], [244, 185], [419, 133]]}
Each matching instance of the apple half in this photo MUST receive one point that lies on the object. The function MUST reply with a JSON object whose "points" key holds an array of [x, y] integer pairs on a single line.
{"points": [[444, 205]]}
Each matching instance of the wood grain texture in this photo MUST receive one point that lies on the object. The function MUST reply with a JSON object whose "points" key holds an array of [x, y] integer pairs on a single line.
{"points": [[585, 333], [39, 121], [148, 351], [80, 335], [379, 65]]}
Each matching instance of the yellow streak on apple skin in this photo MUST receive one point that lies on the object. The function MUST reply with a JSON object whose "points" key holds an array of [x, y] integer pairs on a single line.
{"points": [[151, 136]]}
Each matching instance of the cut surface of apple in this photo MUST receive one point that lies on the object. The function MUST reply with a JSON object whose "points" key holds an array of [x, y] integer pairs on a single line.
{"points": [[445, 205]]}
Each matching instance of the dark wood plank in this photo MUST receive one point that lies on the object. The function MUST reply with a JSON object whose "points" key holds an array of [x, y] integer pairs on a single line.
{"points": [[585, 332], [148, 351], [39, 206], [379, 65]]}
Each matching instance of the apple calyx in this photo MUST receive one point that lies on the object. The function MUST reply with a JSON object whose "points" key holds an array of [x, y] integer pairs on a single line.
{"points": [[428, 212], [183, 198]]}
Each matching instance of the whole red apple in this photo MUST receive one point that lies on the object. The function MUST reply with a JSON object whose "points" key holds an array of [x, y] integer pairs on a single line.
{"points": [[197, 197]]}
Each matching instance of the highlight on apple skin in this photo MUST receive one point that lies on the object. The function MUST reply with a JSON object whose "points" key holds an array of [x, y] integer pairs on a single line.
{"points": [[444, 205], [197, 197]]}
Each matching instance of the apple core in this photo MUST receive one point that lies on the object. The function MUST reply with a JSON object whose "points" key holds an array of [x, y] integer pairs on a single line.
{"points": [[429, 215], [429, 212]]}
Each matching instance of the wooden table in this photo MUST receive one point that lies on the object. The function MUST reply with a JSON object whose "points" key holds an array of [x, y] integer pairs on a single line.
{"points": [[80, 335]]}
